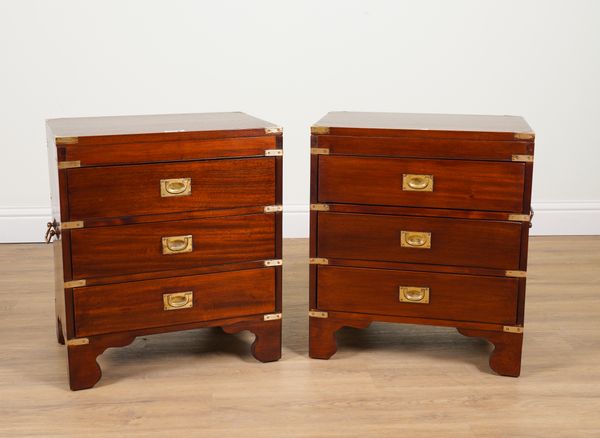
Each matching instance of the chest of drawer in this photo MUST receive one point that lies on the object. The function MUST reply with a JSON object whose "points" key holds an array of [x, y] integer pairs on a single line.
{"points": [[113, 191], [420, 219], [165, 223], [413, 239], [453, 184]]}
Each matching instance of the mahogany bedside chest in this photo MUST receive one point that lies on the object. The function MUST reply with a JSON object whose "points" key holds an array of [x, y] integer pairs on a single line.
{"points": [[164, 223], [420, 219]]}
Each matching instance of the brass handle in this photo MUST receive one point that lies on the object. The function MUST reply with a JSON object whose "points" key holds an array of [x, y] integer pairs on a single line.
{"points": [[178, 300], [415, 239], [413, 294], [175, 187], [177, 244], [417, 183]]}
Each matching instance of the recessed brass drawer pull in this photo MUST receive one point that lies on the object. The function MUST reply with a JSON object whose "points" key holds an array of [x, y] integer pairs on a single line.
{"points": [[417, 183], [415, 239], [412, 294], [175, 187], [177, 244], [178, 300]]}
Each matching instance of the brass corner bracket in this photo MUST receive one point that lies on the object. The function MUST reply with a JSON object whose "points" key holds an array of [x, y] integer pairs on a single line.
{"points": [[77, 341], [275, 262], [523, 158], [74, 283], [318, 261], [67, 140], [519, 217], [319, 151], [273, 152], [319, 130], [274, 130], [273, 208], [69, 164], [512, 329], [71, 225], [272, 317], [524, 136], [317, 314], [319, 207], [518, 274]]}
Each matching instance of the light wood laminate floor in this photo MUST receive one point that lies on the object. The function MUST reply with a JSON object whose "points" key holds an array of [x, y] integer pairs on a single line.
{"points": [[388, 380]]}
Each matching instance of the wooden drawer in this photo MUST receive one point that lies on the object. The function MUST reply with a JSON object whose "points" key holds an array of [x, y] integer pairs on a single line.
{"points": [[141, 304], [451, 296], [469, 185], [458, 242], [129, 249], [144, 189]]}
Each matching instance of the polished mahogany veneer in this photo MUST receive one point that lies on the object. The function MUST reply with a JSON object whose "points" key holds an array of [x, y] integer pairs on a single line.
{"points": [[421, 219], [164, 223]]}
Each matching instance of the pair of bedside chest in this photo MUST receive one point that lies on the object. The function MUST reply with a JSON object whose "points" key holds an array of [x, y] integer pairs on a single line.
{"points": [[168, 223]]}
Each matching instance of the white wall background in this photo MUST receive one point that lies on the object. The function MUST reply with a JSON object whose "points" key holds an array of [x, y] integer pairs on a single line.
{"points": [[291, 62]]}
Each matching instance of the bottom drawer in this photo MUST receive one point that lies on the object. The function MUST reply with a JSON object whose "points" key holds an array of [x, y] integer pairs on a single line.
{"points": [[423, 294], [142, 304]]}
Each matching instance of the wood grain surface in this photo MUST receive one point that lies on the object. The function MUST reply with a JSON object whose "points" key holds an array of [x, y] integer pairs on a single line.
{"points": [[388, 380], [471, 185], [110, 191]]}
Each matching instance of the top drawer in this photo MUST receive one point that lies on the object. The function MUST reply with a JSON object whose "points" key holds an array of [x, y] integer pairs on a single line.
{"points": [[98, 192], [468, 185]]}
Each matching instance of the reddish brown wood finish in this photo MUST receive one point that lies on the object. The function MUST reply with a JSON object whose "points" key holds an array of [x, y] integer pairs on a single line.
{"points": [[451, 296], [131, 249], [118, 252], [473, 185], [423, 147], [101, 192], [322, 342], [478, 246], [506, 357], [162, 151], [139, 304], [487, 244]]}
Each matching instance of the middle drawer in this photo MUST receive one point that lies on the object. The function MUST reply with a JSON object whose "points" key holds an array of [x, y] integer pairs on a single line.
{"points": [[130, 249], [411, 239]]}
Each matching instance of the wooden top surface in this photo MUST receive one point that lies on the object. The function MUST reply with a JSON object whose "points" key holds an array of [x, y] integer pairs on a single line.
{"points": [[158, 124], [424, 125]]}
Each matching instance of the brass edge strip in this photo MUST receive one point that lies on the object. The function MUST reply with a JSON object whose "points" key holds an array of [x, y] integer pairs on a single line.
{"points": [[319, 129], [519, 217], [318, 261], [319, 207], [273, 152], [71, 225], [74, 283], [319, 151], [67, 140], [78, 341], [272, 317], [518, 274], [317, 314], [69, 164], [273, 208], [523, 158], [274, 130], [524, 136], [512, 329], [275, 262]]}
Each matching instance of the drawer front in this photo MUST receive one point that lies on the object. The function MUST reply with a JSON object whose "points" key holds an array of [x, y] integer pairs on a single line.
{"points": [[156, 303], [410, 239], [172, 187], [444, 296], [130, 249], [469, 185]]}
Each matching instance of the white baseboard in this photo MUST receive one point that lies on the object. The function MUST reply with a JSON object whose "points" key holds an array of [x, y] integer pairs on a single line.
{"points": [[28, 224]]}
